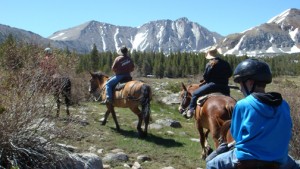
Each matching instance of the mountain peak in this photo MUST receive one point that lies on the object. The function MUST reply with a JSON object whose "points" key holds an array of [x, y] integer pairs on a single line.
{"points": [[184, 19], [287, 13]]}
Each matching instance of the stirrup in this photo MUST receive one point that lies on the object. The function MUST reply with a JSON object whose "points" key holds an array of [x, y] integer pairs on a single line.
{"points": [[106, 101], [190, 113]]}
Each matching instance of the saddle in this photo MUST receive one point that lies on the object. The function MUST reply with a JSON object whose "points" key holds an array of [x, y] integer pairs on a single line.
{"points": [[201, 100], [122, 83], [257, 164]]}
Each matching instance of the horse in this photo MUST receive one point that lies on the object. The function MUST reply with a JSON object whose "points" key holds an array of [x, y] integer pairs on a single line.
{"points": [[62, 86], [57, 86], [131, 95], [211, 115]]}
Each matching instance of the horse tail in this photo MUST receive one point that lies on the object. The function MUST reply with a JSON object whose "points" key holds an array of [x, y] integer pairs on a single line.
{"points": [[145, 102]]}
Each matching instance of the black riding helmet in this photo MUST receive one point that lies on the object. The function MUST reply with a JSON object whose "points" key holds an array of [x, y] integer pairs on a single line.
{"points": [[253, 69]]}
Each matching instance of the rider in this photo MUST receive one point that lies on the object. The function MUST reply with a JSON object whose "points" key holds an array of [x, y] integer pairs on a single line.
{"points": [[122, 67], [215, 79], [261, 123], [49, 63]]}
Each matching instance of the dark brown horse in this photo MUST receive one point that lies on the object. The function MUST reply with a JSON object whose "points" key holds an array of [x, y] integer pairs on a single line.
{"points": [[62, 87], [211, 115], [132, 95], [59, 87], [56, 85]]}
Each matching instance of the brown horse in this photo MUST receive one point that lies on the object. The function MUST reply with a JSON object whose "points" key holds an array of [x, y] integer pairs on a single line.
{"points": [[132, 95], [210, 115]]}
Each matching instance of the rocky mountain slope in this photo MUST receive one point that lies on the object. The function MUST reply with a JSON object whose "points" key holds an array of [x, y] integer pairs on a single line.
{"points": [[159, 36], [280, 34]]}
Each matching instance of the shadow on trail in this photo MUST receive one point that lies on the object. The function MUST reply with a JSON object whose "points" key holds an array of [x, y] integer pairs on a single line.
{"points": [[150, 138]]}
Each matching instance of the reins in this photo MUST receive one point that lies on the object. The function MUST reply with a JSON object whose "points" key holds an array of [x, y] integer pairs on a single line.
{"points": [[100, 91]]}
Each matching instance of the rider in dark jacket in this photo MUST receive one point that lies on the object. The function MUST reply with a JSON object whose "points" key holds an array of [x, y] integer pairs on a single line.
{"points": [[215, 79]]}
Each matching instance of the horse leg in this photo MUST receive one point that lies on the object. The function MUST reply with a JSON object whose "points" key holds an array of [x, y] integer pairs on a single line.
{"points": [[113, 113], [207, 146], [215, 136], [202, 139], [137, 111], [67, 101], [105, 117], [56, 95]]}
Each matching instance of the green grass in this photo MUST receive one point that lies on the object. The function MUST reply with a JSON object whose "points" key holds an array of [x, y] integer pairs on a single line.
{"points": [[164, 149]]}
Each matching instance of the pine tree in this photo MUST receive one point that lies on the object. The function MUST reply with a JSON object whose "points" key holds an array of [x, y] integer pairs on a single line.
{"points": [[94, 59]]}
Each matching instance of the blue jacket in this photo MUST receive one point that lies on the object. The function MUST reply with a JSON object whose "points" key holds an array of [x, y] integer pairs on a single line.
{"points": [[261, 126]]}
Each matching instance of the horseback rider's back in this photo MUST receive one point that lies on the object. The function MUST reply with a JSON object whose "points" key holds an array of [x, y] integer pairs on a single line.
{"points": [[122, 67]]}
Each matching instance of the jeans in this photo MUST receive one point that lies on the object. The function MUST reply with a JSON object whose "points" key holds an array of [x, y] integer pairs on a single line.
{"points": [[206, 89], [225, 160], [111, 83], [228, 160]]}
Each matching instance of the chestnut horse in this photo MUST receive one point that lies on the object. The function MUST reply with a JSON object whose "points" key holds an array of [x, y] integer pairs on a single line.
{"points": [[132, 95], [211, 115]]}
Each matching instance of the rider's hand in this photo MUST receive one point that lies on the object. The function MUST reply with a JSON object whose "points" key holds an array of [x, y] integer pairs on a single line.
{"points": [[222, 148]]}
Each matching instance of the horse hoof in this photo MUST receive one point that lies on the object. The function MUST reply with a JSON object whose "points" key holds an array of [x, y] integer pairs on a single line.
{"points": [[103, 121], [142, 135]]}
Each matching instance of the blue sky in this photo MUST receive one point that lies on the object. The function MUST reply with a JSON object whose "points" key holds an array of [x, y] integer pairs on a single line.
{"points": [[45, 17]]}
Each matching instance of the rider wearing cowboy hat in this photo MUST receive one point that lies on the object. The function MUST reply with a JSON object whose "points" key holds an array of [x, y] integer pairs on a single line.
{"points": [[215, 79]]}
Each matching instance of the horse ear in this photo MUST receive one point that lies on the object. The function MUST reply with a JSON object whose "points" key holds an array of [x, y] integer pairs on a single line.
{"points": [[183, 86], [92, 74]]}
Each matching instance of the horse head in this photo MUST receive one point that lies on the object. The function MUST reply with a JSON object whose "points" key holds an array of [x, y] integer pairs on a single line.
{"points": [[185, 97], [97, 84]]}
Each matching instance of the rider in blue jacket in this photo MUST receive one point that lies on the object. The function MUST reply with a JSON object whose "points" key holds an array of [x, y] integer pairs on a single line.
{"points": [[261, 123]]}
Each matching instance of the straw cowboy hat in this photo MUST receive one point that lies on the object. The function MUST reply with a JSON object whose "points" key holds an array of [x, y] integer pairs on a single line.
{"points": [[212, 53]]}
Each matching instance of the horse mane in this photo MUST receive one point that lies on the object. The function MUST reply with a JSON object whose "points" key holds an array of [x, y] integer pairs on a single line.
{"points": [[100, 74]]}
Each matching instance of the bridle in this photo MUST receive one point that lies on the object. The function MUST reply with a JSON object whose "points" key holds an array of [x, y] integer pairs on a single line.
{"points": [[98, 92], [184, 99]]}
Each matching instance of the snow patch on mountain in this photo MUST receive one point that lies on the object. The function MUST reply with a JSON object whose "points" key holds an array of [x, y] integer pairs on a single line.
{"points": [[279, 18]]}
